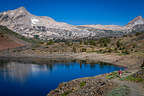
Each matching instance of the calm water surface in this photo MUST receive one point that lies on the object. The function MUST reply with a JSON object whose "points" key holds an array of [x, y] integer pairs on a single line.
{"points": [[20, 79]]}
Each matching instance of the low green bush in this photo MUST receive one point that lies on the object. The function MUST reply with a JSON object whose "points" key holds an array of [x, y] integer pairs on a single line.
{"points": [[82, 84]]}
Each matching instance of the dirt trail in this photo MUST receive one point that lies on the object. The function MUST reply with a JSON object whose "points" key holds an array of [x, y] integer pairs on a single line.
{"points": [[136, 89]]}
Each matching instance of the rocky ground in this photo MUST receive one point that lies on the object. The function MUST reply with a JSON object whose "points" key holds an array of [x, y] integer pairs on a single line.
{"points": [[83, 87], [134, 80], [104, 85]]}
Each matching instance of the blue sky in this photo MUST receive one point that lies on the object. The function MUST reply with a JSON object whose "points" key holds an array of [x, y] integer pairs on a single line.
{"points": [[81, 12]]}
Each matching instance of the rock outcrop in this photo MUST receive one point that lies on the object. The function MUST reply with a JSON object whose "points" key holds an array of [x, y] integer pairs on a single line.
{"points": [[83, 87]]}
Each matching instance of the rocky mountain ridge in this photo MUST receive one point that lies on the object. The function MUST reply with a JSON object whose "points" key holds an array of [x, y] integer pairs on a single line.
{"points": [[129, 27], [23, 22], [29, 25]]}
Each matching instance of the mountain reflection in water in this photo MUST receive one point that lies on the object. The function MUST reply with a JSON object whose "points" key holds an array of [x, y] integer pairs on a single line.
{"points": [[20, 71]]}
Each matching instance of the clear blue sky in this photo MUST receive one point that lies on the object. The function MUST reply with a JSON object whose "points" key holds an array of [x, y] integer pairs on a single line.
{"points": [[80, 12]]}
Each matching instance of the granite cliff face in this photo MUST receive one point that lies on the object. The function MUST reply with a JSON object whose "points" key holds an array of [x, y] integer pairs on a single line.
{"points": [[29, 25]]}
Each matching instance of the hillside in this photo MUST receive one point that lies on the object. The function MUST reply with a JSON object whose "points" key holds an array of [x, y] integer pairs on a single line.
{"points": [[128, 44], [10, 39]]}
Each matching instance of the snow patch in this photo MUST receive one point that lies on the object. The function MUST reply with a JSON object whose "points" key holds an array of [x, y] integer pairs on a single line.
{"points": [[34, 21]]}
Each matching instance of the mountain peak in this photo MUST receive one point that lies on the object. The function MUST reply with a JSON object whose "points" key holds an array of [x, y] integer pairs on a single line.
{"points": [[21, 8], [136, 19]]}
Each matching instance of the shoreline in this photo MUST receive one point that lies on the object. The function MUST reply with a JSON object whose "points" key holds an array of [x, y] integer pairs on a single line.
{"points": [[127, 61]]}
